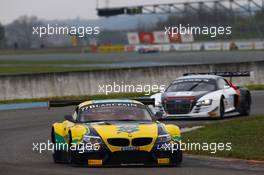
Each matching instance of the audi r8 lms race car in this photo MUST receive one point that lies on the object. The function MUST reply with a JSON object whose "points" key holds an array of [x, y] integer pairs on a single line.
{"points": [[113, 132], [204, 95]]}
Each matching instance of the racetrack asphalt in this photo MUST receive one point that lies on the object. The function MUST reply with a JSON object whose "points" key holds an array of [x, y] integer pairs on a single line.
{"points": [[19, 129], [144, 60]]}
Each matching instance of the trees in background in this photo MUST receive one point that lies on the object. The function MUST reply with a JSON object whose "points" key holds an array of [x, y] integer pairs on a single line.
{"points": [[2, 36], [19, 32]]}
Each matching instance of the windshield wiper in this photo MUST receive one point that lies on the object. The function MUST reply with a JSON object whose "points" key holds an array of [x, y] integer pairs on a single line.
{"points": [[194, 86]]}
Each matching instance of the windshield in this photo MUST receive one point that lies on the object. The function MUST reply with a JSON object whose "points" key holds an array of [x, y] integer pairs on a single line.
{"points": [[114, 112], [192, 85]]}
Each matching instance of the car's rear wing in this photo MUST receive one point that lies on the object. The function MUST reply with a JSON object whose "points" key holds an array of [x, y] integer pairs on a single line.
{"points": [[145, 100], [63, 103], [223, 74]]}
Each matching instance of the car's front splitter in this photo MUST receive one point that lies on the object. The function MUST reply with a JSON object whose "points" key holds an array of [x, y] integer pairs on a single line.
{"points": [[126, 158]]}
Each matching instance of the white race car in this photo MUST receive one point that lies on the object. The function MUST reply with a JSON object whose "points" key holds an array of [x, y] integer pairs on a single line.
{"points": [[203, 95]]}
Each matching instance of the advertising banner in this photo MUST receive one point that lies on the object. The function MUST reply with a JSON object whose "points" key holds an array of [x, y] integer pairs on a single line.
{"points": [[133, 38], [166, 47], [146, 37], [226, 46], [187, 38], [244, 45], [129, 48], [212, 46], [197, 46], [111, 49], [160, 37], [182, 47], [258, 45], [176, 38]]}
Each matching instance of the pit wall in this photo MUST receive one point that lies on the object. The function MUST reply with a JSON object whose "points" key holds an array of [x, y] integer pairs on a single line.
{"points": [[195, 46], [87, 83], [199, 46]]}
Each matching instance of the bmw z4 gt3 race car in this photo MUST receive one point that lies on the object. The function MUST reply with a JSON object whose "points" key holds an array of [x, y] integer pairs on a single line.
{"points": [[114, 132], [204, 95]]}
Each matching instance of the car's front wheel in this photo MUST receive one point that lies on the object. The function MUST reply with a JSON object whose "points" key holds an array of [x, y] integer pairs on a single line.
{"points": [[72, 152], [177, 157], [59, 156]]}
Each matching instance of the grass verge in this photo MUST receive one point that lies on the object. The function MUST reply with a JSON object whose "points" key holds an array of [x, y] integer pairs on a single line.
{"points": [[84, 97], [255, 87], [245, 134], [50, 66]]}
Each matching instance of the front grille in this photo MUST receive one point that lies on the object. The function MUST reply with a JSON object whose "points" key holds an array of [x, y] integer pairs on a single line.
{"points": [[141, 141], [179, 106], [118, 142]]}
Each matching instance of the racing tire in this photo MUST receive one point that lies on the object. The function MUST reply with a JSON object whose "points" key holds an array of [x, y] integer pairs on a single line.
{"points": [[244, 109], [72, 159], [178, 158], [58, 155], [70, 153], [222, 108]]}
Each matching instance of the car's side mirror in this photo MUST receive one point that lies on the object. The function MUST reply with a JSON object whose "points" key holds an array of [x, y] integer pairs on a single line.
{"points": [[69, 118], [158, 115]]}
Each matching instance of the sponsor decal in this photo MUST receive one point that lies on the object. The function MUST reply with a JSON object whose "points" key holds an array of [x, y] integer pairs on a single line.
{"points": [[193, 80], [129, 129], [130, 148], [102, 105]]}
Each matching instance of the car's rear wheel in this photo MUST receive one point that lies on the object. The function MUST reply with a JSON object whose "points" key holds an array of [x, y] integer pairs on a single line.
{"points": [[245, 106], [222, 108]]}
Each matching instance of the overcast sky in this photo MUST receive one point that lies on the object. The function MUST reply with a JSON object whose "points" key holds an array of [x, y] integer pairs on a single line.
{"points": [[61, 9]]}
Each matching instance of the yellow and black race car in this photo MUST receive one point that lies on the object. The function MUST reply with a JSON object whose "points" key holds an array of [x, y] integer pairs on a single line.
{"points": [[114, 132]]}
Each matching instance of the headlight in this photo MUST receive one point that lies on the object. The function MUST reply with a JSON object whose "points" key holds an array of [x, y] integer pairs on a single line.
{"points": [[204, 102], [92, 139], [163, 138]]}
